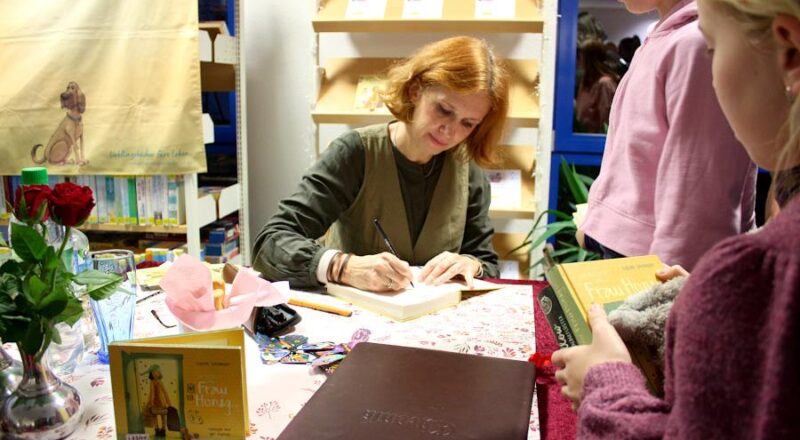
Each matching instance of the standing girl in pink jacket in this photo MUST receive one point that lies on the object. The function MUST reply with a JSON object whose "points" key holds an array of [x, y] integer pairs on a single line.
{"points": [[732, 355], [674, 181]]}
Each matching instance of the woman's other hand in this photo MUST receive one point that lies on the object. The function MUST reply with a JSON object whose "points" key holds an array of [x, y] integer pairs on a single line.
{"points": [[377, 273], [575, 362], [445, 266], [667, 273]]}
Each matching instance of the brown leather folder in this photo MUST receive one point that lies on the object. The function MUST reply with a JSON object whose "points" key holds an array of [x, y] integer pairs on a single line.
{"points": [[390, 392]]}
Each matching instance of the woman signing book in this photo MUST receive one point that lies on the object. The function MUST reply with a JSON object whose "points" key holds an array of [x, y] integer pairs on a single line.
{"points": [[418, 175]]}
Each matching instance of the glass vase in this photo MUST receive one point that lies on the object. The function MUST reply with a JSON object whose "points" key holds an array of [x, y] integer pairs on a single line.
{"points": [[42, 407], [10, 375]]}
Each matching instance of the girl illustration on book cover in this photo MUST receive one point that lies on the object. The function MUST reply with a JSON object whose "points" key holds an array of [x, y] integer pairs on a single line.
{"points": [[157, 403]]}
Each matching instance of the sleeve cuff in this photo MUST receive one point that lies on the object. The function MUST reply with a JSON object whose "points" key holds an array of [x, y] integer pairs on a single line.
{"points": [[612, 374], [324, 262]]}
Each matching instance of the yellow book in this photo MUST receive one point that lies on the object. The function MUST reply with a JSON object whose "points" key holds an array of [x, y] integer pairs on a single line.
{"points": [[576, 286], [368, 91], [191, 385]]}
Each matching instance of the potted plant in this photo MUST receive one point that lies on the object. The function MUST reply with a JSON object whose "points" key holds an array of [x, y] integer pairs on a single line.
{"points": [[566, 249], [37, 291]]}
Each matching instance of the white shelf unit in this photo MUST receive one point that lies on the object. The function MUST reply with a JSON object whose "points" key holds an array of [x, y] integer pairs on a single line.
{"points": [[529, 107], [223, 72]]}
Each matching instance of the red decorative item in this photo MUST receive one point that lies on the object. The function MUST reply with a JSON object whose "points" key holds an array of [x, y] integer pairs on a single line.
{"points": [[540, 360], [71, 204]]}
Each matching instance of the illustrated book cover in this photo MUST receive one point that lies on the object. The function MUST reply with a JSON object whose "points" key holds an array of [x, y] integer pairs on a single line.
{"points": [[413, 302], [574, 287], [391, 392], [191, 385]]}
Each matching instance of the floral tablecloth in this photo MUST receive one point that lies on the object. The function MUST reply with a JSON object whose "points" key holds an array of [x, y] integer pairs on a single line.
{"points": [[499, 324]]}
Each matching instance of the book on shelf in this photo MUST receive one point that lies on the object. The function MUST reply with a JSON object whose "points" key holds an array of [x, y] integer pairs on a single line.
{"points": [[368, 93], [192, 383], [390, 392], [574, 287], [413, 302]]}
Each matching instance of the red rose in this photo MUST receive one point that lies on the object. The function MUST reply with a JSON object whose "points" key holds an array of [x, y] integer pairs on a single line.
{"points": [[71, 204], [35, 196]]}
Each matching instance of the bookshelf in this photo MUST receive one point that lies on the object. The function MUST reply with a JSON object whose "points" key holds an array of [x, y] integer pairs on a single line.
{"points": [[531, 97], [222, 69], [457, 16]]}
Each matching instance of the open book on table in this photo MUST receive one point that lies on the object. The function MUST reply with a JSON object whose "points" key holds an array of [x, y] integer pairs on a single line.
{"points": [[412, 302]]}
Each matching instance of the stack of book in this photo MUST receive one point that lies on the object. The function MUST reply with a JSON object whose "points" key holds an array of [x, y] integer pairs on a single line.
{"points": [[223, 242]]}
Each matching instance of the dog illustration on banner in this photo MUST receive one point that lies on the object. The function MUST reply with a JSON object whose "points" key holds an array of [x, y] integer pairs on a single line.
{"points": [[67, 140]]}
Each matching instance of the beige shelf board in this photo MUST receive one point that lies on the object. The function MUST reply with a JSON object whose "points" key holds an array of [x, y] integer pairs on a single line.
{"points": [[337, 92], [512, 213], [503, 244], [157, 229], [457, 16]]}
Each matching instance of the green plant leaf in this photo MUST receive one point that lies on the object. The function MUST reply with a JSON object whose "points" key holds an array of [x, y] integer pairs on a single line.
{"points": [[35, 289], [15, 327], [12, 267], [53, 304], [28, 244], [3, 241], [98, 284], [51, 332], [71, 313], [9, 286], [576, 188], [32, 340], [588, 181], [551, 230]]}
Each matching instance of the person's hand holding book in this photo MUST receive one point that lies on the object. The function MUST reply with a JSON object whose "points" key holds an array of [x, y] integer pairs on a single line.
{"points": [[575, 362]]}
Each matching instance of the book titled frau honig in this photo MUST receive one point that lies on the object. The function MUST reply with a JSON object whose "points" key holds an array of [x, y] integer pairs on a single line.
{"points": [[574, 287], [186, 386], [388, 392]]}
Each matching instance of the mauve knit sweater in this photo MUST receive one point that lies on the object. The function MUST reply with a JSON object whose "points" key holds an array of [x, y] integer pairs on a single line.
{"points": [[732, 361]]}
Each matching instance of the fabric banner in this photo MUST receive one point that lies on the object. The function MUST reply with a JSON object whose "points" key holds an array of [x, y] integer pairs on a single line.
{"points": [[100, 87]]}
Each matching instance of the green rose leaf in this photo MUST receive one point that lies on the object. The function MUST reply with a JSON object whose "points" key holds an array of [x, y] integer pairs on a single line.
{"points": [[50, 262], [53, 304], [15, 327], [32, 340], [99, 284], [72, 312], [9, 286], [28, 244], [51, 331], [34, 288], [12, 267]]}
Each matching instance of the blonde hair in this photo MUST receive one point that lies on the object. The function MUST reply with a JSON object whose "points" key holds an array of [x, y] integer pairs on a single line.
{"points": [[462, 64], [757, 16]]}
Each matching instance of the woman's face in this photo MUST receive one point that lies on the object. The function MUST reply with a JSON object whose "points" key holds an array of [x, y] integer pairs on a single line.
{"points": [[443, 118], [748, 83]]}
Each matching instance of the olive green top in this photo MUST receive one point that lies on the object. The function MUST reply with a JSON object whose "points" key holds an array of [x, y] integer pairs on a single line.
{"points": [[424, 209]]}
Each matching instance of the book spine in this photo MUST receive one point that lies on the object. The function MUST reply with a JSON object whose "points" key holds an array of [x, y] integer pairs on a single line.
{"points": [[556, 318], [133, 206], [141, 196], [113, 205], [566, 298], [100, 195]]}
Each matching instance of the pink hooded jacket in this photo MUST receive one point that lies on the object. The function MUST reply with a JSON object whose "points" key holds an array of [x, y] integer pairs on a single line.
{"points": [[674, 180]]}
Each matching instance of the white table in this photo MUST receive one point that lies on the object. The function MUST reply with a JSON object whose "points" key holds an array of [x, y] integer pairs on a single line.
{"points": [[498, 324]]}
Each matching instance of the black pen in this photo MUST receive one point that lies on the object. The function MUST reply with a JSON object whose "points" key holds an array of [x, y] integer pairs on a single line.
{"points": [[386, 240]]}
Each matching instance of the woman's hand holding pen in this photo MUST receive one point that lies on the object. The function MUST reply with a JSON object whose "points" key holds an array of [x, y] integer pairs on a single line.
{"points": [[445, 266], [377, 273]]}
